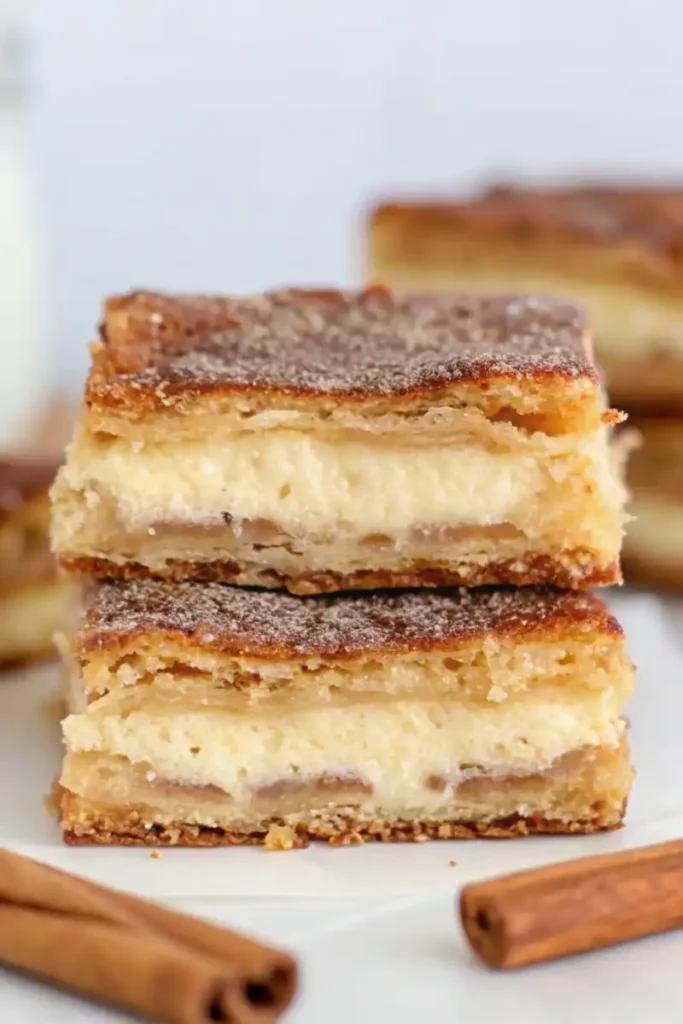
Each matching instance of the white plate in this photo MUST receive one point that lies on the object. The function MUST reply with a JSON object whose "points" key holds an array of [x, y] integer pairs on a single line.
{"points": [[30, 754]]}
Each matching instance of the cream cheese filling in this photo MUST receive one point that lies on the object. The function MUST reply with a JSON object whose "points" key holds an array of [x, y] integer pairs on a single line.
{"points": [[394, 747], [306, 484]]}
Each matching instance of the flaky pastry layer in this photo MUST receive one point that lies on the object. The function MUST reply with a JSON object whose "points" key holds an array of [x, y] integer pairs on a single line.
{"points": [[637, 336], [492, 672], [233, 710]]}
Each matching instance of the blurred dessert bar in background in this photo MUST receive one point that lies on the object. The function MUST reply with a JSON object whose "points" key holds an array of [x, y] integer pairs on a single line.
{"points": [[204, 714], [325, 440], [33, 598], [52, 428], [617, 250], [654, 542]]}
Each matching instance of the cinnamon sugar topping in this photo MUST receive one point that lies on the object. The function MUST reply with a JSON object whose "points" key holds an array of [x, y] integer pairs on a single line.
{"points": [[330, 342], [269, 624]]}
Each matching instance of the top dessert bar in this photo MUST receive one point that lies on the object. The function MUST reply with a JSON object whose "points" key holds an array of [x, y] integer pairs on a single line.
{"points": [[321, 440], [617, 250]]}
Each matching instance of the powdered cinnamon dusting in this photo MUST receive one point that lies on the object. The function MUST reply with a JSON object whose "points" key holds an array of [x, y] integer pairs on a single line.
{"points": [[216, 616]]}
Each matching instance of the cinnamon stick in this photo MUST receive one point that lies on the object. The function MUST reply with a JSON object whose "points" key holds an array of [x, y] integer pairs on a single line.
{"points": [[137, 955], [585, 904]]}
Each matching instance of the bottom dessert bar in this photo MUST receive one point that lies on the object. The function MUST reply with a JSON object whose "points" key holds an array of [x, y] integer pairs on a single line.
{"points": [[653, 548], [207, 715]]}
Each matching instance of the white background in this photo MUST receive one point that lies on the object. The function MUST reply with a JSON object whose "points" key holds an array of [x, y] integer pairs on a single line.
{"points": [[235, 144]]}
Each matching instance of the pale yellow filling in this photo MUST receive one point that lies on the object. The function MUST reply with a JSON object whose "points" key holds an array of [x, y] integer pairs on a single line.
{"points": [[627, 322], [309, 485], [392, 746]]}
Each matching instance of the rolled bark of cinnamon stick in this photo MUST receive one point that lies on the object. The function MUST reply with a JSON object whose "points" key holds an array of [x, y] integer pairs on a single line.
{"points": [[586, 904], [160, 964]]}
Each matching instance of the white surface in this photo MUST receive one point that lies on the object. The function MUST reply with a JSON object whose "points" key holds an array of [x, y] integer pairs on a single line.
{"points": [[382, 916]]}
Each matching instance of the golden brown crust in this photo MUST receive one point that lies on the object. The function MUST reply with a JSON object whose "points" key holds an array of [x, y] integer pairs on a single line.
{"points": [[649, 223], [159, 352], [267, 624], [126, 828], [48, 652], [570, 574]]}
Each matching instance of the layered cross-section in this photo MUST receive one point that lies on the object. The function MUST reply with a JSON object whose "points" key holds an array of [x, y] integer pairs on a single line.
{"points": [[322, 441], [203, 714]]}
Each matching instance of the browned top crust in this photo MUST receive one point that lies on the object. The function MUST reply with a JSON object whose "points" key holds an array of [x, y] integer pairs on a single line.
{"points": [[264, 624], [330, 343], [22, 479], [645, 217]]}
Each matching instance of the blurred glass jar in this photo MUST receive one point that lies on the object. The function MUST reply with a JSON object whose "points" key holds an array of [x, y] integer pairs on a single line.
{"points": [[24, 360]]}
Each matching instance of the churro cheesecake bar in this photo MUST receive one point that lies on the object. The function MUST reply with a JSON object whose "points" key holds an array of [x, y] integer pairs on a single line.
{"points": [[325, 440], [653, 546], [33, 599], [616, 250], [204, 714]]}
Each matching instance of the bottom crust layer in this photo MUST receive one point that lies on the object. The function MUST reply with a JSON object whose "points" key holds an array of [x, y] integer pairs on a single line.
{"points": [[85, 823], [575, 570]]}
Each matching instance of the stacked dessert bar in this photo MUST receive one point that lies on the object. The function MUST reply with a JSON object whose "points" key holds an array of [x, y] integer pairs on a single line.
{"points": [[323, 535], [616, 250]]}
